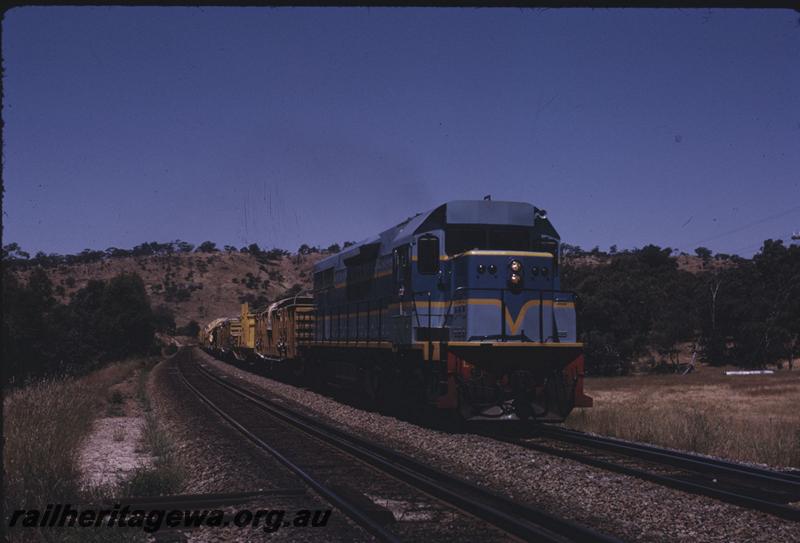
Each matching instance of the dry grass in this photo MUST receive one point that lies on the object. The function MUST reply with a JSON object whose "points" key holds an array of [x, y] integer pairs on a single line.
{"points": [[44, 425], [750, 418], [119, 434]]}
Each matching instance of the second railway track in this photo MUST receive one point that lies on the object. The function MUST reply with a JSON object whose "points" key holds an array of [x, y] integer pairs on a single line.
{"points": [[746, 486], [330, 460]]}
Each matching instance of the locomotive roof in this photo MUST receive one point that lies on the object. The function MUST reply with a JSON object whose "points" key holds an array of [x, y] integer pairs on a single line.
{"points": [[498, 213]]}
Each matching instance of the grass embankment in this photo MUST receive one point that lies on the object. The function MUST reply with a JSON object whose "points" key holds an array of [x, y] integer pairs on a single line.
{"points": [[748, 418], [45, 425]]}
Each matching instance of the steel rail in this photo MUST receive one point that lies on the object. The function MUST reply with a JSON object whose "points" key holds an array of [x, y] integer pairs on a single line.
{"points": [[675, 458], [351, 510], [517, 519], [662, 457]]}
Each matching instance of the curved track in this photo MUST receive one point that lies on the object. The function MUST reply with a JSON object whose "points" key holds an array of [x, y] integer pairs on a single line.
{"points": [[519, 520], [747, 486]]}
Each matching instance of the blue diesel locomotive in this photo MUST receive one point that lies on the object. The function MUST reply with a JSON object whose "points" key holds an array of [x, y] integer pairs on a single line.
{"points": [[458, 308]]}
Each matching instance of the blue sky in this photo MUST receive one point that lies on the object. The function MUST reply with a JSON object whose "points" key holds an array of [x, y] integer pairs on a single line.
{"points": [[284, 126]]}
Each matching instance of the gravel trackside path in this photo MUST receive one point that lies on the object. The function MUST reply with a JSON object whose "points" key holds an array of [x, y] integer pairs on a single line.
{"points": [[626, 507]]}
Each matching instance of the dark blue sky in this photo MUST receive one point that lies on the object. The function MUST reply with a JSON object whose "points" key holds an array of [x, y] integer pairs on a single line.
{"points": [[284, 126]]}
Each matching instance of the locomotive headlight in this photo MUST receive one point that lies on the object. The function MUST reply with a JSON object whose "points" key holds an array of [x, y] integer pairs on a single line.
{"points": [[515, 279], [515, 266]]}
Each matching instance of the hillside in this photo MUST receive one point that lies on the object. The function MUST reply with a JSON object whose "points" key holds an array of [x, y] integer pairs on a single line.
{"points": [[641, 304], [690, 263], [196, 286], [201, 286]]}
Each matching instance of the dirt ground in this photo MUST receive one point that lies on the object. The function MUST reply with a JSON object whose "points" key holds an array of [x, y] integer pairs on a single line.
{"points": [[112, 451]]}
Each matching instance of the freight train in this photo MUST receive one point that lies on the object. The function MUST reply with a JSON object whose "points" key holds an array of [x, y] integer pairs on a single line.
{"points": [[457, 309]]}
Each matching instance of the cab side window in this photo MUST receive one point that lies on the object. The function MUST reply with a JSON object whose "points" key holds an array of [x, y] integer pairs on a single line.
{"points": [[428, 255]]}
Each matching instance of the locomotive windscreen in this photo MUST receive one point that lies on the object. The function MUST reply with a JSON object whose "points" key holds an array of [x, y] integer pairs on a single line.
{"points": [[459, 239]]}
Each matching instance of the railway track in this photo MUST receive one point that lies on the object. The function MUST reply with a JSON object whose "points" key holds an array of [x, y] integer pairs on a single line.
{"points": [[747, 486], [305, 440]]}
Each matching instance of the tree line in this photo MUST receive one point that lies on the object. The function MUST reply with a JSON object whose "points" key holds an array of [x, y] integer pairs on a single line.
{"points": [[104, 321], [14, 255], [638, 304], [632, 305]]}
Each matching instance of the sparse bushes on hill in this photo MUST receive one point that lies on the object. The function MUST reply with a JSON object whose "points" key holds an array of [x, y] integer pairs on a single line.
{"points": [[704, 253], [264, 257], [251, 281], [294, 290], [307, 250], [273, 255], [12, 251], [177, 293], [207, 247], [13, 255], [254, 301]]}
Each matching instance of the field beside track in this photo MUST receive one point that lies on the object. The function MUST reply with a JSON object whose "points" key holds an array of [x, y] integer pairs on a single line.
{"points": [[753, 418]]}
